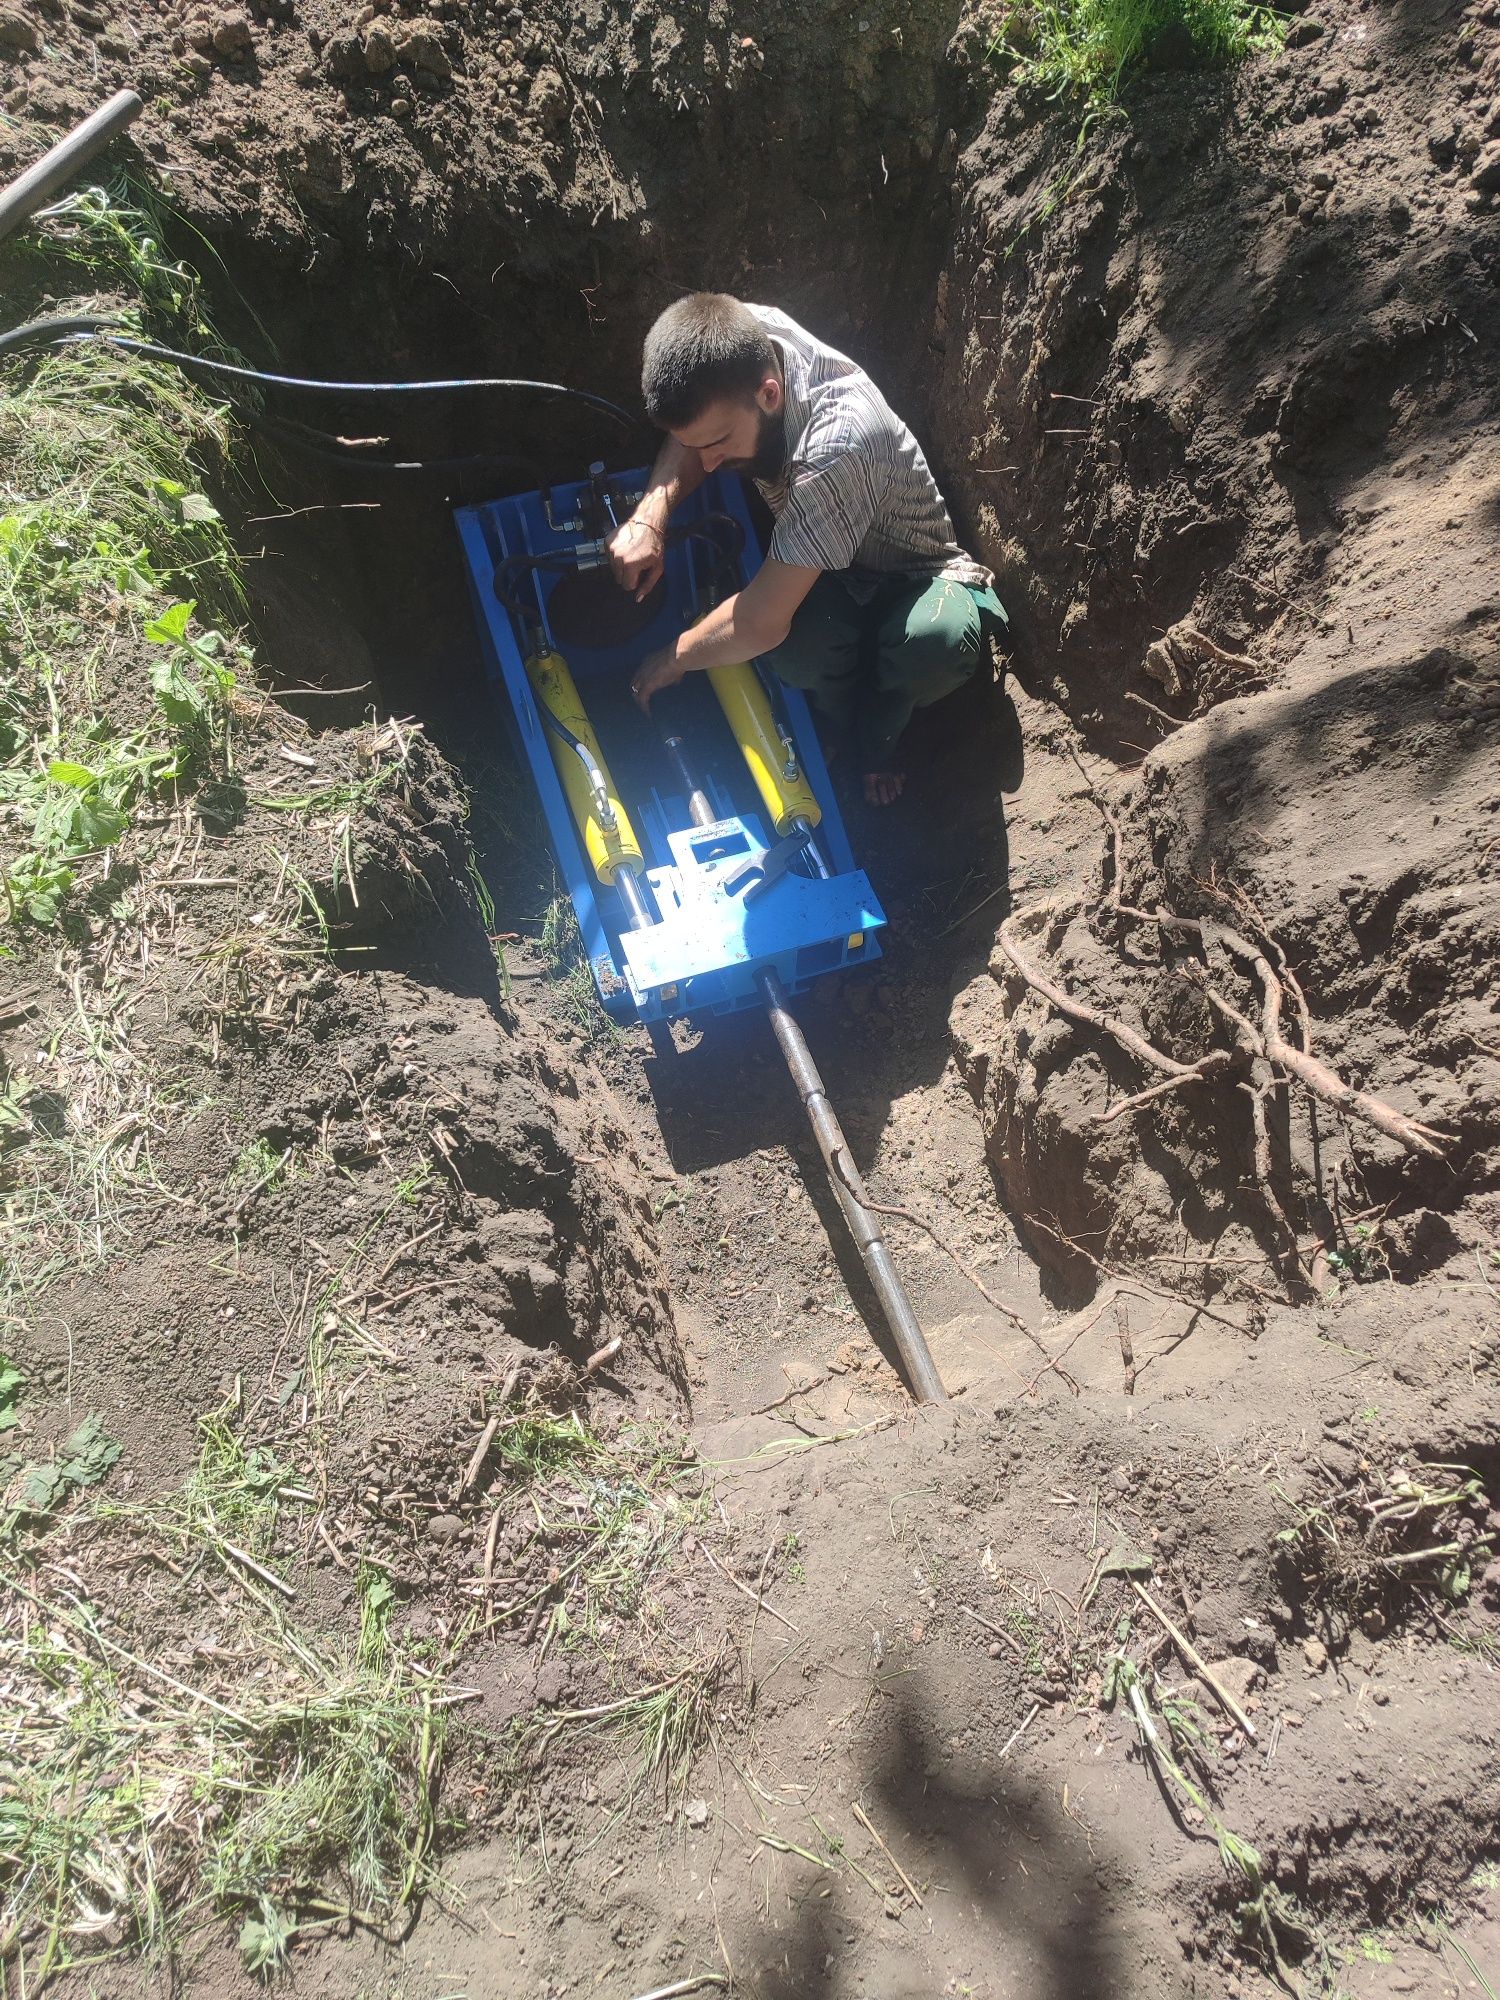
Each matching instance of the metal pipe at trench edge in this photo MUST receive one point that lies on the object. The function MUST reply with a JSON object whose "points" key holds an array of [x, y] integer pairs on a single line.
{"points": [[56, 168], [911, 1343], [849, 1187]]}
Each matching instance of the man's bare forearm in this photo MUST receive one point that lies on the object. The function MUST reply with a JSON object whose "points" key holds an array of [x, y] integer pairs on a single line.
{"points": [[728, 633], [677, 472]]}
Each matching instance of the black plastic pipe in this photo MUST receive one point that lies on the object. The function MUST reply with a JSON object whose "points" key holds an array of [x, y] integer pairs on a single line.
{"points": [[56, 167]]}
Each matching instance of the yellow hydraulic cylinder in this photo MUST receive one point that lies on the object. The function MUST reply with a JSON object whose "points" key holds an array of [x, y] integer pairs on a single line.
{"points": [[747, 709], [610, 847]]}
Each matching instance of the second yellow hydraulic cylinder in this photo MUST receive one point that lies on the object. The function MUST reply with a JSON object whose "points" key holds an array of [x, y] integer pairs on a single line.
{"points": [[747, 709]]}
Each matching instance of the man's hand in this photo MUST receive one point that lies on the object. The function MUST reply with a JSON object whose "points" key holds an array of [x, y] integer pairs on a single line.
{"points": [[661, 669], [636, 556]]}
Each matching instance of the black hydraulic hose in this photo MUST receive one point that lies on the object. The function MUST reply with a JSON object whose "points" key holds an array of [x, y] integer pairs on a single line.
{"points": [[92, 327], [589, 762], [560, 563], [39, 332]]}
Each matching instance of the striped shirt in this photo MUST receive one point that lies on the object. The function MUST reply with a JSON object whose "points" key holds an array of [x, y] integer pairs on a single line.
{"points": [[855, 493]]}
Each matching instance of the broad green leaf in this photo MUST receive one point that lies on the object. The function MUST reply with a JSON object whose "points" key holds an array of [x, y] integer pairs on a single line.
{"points": [[198, 507], [62, 772], [11, 1379], [171, 628], [98, 824], [88, 1453], [180, 700]]}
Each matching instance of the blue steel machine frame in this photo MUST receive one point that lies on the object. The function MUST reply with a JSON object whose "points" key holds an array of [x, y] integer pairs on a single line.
{"points": [[711, 939], [740, 888]]}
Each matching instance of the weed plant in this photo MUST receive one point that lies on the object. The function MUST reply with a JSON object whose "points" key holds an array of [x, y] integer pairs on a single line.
{"points": [[1086, 49], [567, 961], [101, 541]]}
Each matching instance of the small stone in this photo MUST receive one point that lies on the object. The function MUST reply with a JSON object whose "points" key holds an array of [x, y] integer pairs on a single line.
{"points": [[400, 106], [443, 1527], [918, 1633], [380, 50], [1300, 33], [344, 57], [892, 1909], [1486, 175], [1442, 142], [420, 45], [551, 1684], [994, 1649], [1321, 178], [1236, 1674], [1315, 1653], [233, 35], [695, 1812], [1380, 1696]]}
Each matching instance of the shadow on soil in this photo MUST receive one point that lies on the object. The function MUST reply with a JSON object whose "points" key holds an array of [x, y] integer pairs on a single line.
{"points": [[1012, 1898]]}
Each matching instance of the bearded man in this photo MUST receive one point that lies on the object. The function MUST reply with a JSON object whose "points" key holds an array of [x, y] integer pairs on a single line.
{"points": [[865, 600]]}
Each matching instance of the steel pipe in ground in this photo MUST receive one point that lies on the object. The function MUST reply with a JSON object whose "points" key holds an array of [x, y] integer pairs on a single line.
{"points": [[848, 1185], [57, 167]]}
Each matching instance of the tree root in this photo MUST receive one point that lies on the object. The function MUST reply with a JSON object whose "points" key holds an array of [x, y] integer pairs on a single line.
{"points": [[1265, 1043]]}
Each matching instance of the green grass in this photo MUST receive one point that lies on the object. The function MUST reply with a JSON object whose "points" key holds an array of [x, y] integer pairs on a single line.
{"points": [[261, 1775], [1269, 1922], [107, 542], [1088, 48], [96, 542], [613, 1512], [567, 961], [658, 1730]]}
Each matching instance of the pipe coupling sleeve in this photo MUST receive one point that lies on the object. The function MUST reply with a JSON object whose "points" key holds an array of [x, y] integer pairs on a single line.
{"points": [[610, 847], [747, 710]]}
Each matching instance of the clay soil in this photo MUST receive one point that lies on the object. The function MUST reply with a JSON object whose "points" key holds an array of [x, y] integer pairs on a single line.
{"points": [[1215, 393]]}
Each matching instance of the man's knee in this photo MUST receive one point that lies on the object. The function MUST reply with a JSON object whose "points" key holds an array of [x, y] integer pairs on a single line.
{"points": [[935, 644], [822, 645]]}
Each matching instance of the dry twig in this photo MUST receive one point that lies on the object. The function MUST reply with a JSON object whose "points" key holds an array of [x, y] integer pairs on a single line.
{"points": [[1194, 1659], [869, 1826]]}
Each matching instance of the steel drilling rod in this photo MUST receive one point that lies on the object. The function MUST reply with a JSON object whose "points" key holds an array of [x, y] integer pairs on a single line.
{"points": [[849, 1187], [847, 1182]]}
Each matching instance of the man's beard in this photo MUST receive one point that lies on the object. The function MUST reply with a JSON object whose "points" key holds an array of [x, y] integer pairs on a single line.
{"points": [[769, 456]]}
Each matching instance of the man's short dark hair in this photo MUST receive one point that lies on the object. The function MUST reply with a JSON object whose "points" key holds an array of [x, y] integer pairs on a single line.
{"points": [[704, 346]]}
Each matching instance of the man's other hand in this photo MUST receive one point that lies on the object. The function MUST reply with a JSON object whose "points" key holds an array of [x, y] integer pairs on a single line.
{"points": [[635, 556], [658, 670]]}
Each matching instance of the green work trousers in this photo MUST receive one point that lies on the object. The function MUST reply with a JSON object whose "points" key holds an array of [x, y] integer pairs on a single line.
{"points": [[866, 667]]}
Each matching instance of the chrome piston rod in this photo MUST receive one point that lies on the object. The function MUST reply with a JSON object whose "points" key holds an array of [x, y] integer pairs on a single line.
{"points": [[845, 1178]]}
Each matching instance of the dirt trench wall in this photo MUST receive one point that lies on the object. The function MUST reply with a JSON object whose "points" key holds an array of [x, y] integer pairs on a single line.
{"points": [[1218, 392], [502, 187]]}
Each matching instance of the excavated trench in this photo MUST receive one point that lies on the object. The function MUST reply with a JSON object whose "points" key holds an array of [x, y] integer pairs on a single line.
{"points": [[360, 596], [1192, 484]]}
